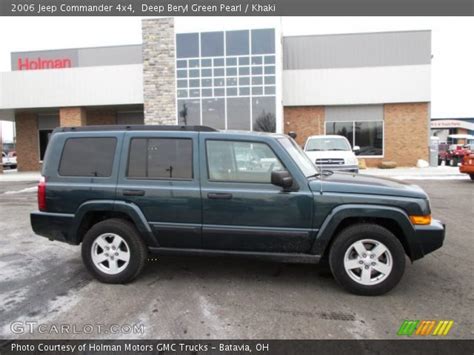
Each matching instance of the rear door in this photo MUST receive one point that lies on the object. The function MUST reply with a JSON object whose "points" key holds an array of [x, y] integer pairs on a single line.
{"points": [[160, 174]]}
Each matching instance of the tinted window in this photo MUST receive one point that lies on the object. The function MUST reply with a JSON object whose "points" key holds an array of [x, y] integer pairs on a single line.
{"points": [[187, 45], [263, 41], [237, 42], [241, 161], [96, 157], [160, 158], [212, 44]]}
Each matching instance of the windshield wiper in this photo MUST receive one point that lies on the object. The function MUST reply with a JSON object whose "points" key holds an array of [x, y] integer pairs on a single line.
{"points": [[323, 173]]}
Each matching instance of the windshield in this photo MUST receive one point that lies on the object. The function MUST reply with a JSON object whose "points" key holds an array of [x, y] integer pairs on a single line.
{"points": [[299, 157], [327, 143]]}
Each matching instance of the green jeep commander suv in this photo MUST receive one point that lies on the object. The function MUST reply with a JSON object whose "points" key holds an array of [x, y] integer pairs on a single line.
{"points": [[126, 191]]}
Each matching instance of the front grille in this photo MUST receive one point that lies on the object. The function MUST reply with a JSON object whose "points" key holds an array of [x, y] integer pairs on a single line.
{"points": [[329, 161]]}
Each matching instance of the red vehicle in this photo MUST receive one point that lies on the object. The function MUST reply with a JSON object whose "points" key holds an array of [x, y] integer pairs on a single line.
{"points": [[453, 154], [467, 166]]}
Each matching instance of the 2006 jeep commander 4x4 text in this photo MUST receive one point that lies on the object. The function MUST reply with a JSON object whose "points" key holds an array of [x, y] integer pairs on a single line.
{"points": [[126, 191]]}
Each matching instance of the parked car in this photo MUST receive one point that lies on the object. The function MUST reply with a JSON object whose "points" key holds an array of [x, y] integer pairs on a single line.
{"points": [[332, 152], [456, 153], [467, 165], [9, 160], [123, 192]]}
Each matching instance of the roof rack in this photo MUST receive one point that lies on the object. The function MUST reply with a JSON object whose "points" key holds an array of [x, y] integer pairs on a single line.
{"points": [[136, 128]]}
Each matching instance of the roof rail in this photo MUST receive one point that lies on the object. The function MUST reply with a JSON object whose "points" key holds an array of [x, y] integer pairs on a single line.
{"points": [[136, 128]]}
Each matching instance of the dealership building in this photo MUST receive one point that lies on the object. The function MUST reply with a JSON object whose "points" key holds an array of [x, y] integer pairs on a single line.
{"points": [[373, 88]]}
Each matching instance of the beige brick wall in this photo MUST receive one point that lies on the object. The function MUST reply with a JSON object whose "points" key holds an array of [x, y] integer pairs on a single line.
{"points": [[101, 117], [304, 121], [406, 132], [27, 141], [72, 117]]}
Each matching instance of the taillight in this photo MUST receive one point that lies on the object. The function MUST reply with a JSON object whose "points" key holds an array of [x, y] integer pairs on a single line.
{"points": [[42, 194]]}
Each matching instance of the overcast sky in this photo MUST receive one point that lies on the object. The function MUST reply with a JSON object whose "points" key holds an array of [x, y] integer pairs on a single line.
{"points": [[452, 49]]}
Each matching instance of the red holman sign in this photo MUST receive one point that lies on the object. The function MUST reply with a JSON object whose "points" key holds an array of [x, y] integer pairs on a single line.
{"points": [[41, 63]]}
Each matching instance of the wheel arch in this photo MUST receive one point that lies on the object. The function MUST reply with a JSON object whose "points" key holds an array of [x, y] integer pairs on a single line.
{"points": [[92, 212], [394, 219]]}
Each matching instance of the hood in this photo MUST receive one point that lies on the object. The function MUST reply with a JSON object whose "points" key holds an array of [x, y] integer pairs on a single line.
{"points": [[365, 184]]}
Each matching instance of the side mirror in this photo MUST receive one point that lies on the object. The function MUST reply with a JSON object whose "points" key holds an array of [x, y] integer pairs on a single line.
{"points": [[356, 148], [292, 134], [282, 178]]}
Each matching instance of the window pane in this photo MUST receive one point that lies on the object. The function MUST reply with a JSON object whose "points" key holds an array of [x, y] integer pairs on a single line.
{"points": [[182, 93], [219, 82], [237, 42], [241, 161], [206, 83], [188, 112], [264, 114], [257, 80], [213, 113], [219, 62], [244, 81], [257, 90], [160, 158], [231, 71], [206, 92], [231, 81], [194, 93], [263, 41], [232, 92], [231, 61], [206, 62], [206, 72], [270, 69], [244, 61], [194, 83], [269, 80], [342, 129], [187, 45], [182, 73], [219, 72], [95, 154], [194, 73], [182, 64], [270, 59], [269, 90], [182, 83], [212, 44], [219, 92], [256, 70], [238, 113], [244, 71], [257, 60], [244, 91], [194, 63], [369, 137]]}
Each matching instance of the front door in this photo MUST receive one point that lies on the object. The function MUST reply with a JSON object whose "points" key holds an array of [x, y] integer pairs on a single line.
{"points": [[242, 210]]}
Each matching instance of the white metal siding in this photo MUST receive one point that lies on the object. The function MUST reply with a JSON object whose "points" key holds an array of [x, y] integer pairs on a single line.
{"points": [[88, 86], [352, 86]]}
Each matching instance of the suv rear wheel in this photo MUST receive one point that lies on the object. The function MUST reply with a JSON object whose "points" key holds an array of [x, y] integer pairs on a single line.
{"points": [[113, 251], [367, 259]]}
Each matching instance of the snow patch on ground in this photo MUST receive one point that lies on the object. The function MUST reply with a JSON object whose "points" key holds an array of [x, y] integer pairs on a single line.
{"points": [[28, 189]]}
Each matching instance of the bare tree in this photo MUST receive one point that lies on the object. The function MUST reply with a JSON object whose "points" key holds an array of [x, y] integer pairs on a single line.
{"points": [[266, 122], [184, 114]]}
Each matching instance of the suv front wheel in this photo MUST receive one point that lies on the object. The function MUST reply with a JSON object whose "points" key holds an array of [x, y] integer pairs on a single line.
{"points": [[113, 251], [367, 259]]}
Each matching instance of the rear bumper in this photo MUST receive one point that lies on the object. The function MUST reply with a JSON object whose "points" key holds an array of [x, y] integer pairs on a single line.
{"points": [[429, 238], [54, 226]]}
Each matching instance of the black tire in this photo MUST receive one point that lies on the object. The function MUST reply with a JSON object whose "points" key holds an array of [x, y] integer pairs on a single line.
{"points": [[137, 249], [361, 231], [471, 176]]}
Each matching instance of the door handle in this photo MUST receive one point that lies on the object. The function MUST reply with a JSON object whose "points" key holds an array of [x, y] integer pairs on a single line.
{"points": [[219, 196], [133, 192]]}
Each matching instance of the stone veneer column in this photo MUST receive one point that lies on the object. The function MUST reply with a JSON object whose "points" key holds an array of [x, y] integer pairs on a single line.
{"points": [[27, 141], [159, 71], [72, 117]]}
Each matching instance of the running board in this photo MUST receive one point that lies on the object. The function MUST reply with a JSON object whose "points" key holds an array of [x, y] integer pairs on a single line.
{"points": [[280, 257]]}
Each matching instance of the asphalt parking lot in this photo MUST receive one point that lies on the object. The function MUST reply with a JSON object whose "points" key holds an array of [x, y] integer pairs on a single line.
{"points": [[45, 283]]}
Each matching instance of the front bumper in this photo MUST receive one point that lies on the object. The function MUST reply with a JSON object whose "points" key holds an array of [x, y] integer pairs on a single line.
{"points": [[428, 238], [344, 168]]}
